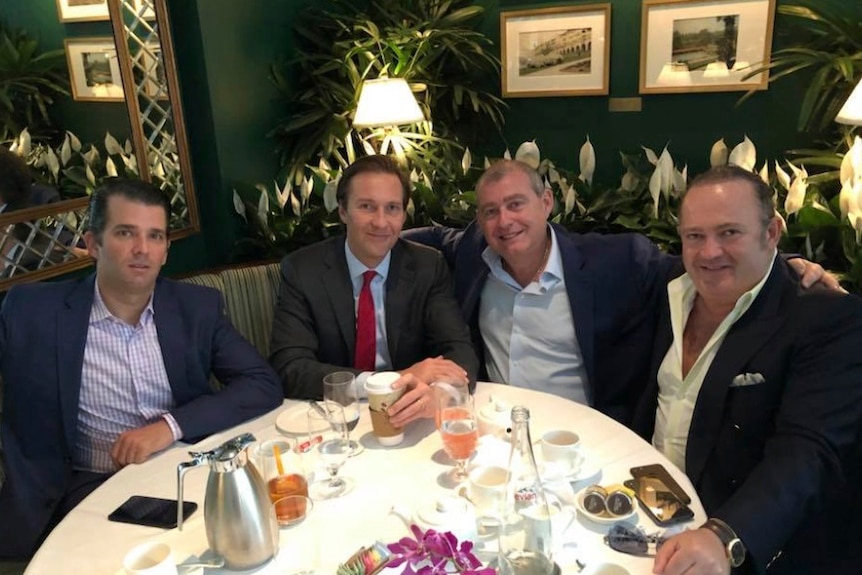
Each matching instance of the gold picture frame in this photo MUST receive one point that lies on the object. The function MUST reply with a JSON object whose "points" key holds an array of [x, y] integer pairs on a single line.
{"points": [[82, 10], [704, 45], [94, 70], [559, 51]]}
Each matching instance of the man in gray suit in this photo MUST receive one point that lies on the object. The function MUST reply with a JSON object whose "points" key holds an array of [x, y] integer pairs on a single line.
{"points": [[369, 301]]}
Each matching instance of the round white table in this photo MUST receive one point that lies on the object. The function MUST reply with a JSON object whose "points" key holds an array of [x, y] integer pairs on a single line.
{"points": [[86, 542]]}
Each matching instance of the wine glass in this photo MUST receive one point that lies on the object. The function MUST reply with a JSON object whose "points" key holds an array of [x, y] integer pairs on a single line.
{"points": [[456, 422], [328, 431], [340, 387]]}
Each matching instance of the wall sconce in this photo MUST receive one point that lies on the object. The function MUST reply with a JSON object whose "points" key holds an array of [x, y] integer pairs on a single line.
{"points": [[386, 102], [851, 111]]}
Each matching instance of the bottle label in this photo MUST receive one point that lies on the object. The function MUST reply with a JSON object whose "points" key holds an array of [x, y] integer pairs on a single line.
{"points": [[526, 495]]}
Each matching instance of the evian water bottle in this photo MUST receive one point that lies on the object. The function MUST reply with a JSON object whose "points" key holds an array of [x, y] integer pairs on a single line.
{"points": [[525, 539]]}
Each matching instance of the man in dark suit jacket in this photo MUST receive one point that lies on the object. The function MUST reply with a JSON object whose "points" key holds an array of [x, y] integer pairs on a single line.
{"points": [[611, 289], [102, 372], [423, 336], [756, 392]]}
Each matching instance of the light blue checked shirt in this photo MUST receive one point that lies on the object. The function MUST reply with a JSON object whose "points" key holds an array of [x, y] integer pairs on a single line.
{"points": [[124, 384]]}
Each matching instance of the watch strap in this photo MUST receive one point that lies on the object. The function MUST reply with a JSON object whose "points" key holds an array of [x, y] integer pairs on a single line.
{"points": [[733, 546]]}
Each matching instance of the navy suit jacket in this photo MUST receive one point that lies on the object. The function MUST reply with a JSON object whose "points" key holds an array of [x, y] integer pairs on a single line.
{"points": [[43, 332], [771, 459], [314, 329], [613, 282]]}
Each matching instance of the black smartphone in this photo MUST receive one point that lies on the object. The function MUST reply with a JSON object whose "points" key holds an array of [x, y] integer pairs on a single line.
{"points": [[659, 470], [658, 501], [151, 511]]}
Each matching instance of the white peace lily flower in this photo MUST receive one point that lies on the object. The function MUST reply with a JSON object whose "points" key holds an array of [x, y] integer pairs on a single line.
{"points": [[665, 165], [110, 168], [570, 200], [324, 166], [587, 161], [76, 143], [650, 155], [528, 152], [795, 195], [466, 161], [24, 143], [262, 203], [112, 146], [414, 176], [744, 155], [764, 172], [306, 188], [629, 181], [554, 175], [783, 178], [680, 179], [281, 194], [507, 155], [53, 163], [91, 177], [718, 154], [851, 165], [329, 195], [411, 207], [487, 163], [238, 205], [66, 150]]}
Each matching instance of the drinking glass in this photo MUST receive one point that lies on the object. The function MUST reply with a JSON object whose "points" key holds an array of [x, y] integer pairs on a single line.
{"points": [[285, 474], [340, 387], [456, 422], [327, 430]]}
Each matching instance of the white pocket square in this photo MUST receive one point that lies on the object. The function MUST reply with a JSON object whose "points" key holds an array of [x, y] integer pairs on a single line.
{"points": [[744, 379]]}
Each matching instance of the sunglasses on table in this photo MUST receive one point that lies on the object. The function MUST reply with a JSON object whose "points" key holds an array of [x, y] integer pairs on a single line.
{"points": [[628, 538]]}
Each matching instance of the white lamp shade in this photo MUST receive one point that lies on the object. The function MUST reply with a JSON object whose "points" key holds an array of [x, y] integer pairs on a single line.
{"points": [[851, 111], [386, 102]]}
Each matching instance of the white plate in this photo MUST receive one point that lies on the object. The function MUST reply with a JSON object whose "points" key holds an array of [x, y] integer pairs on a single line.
{"points": [[603, 519], [294, 421]]}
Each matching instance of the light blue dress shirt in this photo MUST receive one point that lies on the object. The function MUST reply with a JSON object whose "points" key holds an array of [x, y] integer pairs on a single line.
{"points": [[528, 333]]}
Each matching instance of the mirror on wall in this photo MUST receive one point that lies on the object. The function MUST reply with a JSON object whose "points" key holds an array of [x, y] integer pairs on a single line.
{"points": [[146, 57], [46, 241]]}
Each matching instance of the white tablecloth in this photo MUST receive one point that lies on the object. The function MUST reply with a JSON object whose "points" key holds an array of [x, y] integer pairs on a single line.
{"points": [[86, 542]]}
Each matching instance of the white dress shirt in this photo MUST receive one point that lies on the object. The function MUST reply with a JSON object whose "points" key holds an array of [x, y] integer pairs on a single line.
{"points": [[528, 333], [677, 395]]}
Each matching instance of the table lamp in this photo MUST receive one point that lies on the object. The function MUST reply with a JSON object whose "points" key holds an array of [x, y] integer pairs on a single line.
{"points": [[851, 111], [386, 102]]}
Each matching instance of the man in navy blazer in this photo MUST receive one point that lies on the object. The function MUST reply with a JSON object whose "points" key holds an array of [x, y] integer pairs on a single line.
{"points": [[756, 393], [104, 371], [593, 296]]}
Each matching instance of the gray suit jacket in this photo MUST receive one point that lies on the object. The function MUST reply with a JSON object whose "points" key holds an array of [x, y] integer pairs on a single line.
{"points": [[314, 329]]}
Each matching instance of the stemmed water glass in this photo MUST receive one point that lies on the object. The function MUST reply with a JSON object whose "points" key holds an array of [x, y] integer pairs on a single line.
{"points": [[456, 422], [327, 431], [340, 387]]}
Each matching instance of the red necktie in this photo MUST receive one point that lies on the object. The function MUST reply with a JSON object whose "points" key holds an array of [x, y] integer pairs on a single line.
{"points": [[366, 332]]}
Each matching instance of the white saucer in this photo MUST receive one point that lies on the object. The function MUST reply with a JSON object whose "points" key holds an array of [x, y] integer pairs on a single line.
{"points": [[587, 469], [603, 519], [294, 421]]}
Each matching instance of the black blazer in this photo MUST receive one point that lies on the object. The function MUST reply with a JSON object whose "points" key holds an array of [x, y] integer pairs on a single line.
{"points": [[314, 329], [771, 458]]}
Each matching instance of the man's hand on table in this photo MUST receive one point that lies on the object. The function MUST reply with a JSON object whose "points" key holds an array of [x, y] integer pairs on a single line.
{"points": [[136, 445], [418, 401], [695, 552]]}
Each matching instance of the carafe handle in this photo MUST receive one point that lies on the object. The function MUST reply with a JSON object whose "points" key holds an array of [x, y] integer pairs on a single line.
{"points": [[198, 459]]}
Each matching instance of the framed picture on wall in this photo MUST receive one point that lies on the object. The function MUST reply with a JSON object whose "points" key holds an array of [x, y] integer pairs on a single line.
{"points": [[559, 51], [94, 70], [704, 45], [82, 10]]}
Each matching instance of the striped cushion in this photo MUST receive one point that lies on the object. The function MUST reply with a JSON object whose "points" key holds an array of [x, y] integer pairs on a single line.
{"points": [[249, 294]]}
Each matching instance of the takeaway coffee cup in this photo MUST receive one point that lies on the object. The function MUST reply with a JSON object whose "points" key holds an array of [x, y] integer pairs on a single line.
{"points": [[381, 396]]}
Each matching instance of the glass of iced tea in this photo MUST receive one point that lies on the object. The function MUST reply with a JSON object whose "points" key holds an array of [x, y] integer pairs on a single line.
{"points": [[282, 469], [292, 509], [456, 422]]}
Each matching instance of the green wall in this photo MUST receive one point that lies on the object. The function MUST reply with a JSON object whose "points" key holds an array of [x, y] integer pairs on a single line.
{"points": [[224, 48]]}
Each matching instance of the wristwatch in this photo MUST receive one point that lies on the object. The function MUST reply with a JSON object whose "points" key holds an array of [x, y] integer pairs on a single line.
{"points": [[732, 544]]}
